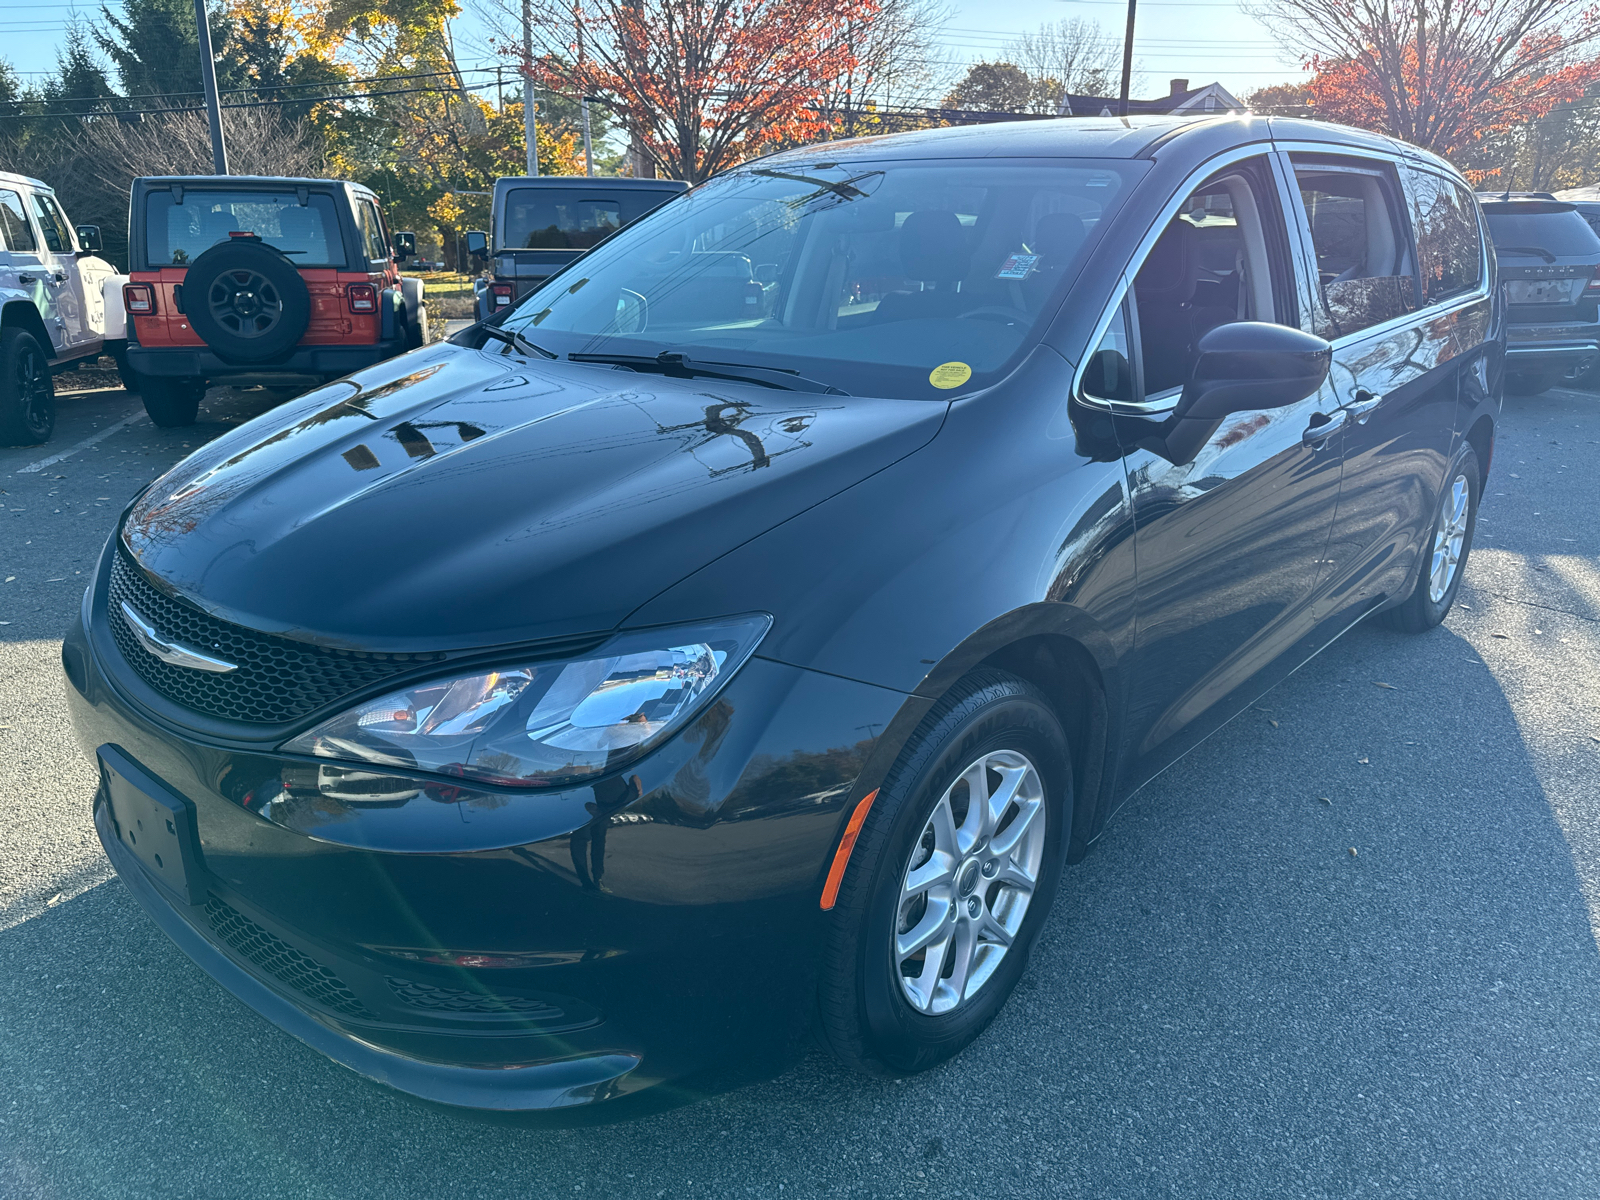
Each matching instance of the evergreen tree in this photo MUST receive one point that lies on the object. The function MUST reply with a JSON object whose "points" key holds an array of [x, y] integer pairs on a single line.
{"points": [[155, 50], [80, 80]]}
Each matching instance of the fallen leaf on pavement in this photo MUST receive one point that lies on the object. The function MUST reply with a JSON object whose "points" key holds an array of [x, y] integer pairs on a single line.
{"points": [[1271, 722], [1353, 852], [1324, 799], [1506, 637], [1364, 761], [1390, 686], [58, 897]]}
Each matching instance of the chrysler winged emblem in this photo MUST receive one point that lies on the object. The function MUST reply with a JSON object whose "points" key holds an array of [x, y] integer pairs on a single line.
{"points": [[171, 652]]}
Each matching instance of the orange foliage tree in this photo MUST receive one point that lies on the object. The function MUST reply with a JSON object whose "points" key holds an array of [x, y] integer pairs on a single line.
{"points": [[1442, 74], [702, 84]]}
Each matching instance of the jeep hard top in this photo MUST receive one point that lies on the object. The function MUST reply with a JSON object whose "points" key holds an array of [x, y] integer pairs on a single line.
{"points": [[542, 223], [260, 280]]}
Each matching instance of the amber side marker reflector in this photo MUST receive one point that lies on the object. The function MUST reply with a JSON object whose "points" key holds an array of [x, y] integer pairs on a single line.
{"points": [[841, 856]]}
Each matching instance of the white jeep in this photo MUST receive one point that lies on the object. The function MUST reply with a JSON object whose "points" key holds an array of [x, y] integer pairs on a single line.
{"points": [[60, 306]]}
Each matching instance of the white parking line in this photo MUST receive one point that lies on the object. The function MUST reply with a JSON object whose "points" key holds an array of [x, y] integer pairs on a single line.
{"points": [[83, 445]]}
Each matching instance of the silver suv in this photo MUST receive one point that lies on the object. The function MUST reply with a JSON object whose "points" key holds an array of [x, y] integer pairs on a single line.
{"points": [[58, 301]]}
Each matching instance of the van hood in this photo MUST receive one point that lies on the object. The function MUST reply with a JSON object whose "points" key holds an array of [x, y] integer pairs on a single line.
{"points": [[457, 498]]}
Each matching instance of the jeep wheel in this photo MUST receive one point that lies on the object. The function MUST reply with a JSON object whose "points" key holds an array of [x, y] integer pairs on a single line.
{"points": [[27, 391], [171, 401], [247, 301]]}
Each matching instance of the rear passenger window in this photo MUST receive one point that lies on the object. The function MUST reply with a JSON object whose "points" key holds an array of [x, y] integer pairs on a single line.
{"points": [[1359, 237], [14, 223], [1449, 245]]}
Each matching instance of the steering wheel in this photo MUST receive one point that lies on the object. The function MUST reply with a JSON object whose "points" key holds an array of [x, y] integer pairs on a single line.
{"points": [[1002, 313]]}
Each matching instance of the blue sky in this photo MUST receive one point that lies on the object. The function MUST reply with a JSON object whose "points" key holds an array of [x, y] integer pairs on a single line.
{"points": [[1201, 40]]}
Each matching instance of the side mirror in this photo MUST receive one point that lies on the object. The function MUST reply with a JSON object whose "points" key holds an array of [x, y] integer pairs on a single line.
{"points": [[1243, 366], [477, 243], [89, 239], [405, 245]]}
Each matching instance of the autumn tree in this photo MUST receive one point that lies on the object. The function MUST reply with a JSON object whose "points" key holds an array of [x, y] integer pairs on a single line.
{"points": [[1439, 73], [702, 84], [1289, 99]]}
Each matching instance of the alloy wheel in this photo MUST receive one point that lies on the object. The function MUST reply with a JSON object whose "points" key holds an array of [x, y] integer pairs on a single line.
{"points": [[33, 388], [245, 303], [969, 881], [1450, 534]]}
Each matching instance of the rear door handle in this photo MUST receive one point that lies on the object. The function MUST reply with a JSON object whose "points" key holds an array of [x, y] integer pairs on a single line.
{"points": [[1323, 426], [1360, 408]]}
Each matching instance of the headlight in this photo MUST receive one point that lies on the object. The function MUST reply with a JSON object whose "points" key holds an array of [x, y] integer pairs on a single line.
{"points": [[537, 724]]}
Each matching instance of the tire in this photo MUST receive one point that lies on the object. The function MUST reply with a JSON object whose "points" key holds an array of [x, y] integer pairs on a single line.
{"points": [[1531, 383], [27, 390], [867, 1013], [247, 301], [1423, 608], [417, 328], [171, 401]]}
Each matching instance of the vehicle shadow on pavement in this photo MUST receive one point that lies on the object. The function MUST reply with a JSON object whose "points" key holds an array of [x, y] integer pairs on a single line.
{"points": [[1227, 1001]]}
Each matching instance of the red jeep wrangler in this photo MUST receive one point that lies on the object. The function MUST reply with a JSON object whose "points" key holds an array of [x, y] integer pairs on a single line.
{"points": [[246, 280]]}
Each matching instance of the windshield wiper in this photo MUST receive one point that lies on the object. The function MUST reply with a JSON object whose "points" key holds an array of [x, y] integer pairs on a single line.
{"points": [[515, 340], [681, 366]]}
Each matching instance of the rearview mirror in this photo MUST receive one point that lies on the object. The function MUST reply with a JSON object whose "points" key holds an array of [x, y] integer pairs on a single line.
{"points": [[477, 243], [1244, 366], [405, 245], [89, 239]]}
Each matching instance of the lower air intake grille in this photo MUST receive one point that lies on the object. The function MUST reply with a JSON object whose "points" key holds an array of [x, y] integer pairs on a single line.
{"points": [[278, 679], [282, 961], [456, 1000]]}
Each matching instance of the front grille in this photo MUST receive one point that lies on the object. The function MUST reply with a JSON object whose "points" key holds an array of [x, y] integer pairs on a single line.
{"points": [[457, 1000], [282, 961], [279, 679]]}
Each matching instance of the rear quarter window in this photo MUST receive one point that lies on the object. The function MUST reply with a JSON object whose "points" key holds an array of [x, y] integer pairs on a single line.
{"points": [[1449, 245]]}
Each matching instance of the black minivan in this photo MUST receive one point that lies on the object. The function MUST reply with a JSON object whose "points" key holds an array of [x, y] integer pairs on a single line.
{"points": [[736, 640]]}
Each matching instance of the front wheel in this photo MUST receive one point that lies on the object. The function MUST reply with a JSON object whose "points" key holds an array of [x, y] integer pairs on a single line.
{"points": [[1444, 556], [950, 881], [171, 401], [27, 390]]}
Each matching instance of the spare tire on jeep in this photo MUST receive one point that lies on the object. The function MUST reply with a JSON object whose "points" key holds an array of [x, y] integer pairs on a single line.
{"points": [[246, 300]]}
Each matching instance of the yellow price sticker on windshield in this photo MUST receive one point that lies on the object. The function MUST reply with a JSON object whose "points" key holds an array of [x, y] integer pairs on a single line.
{"points": [[949, 375]]}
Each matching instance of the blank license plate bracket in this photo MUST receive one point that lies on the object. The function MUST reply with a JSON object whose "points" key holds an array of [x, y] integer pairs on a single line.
{"points": [[155, 825]]}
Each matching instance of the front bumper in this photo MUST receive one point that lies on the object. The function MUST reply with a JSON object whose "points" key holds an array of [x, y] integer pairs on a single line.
{"points": [[323, 361], [662, 926]]}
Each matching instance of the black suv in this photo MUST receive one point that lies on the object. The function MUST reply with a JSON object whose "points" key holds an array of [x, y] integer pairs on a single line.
{"points": [[1550, 265]]}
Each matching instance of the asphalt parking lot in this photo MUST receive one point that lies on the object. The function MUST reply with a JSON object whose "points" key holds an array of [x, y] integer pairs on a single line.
{"points": [[1345, 948]]}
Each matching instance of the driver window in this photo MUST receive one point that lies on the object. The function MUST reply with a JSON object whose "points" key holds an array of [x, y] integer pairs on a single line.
{"points": [[1215, 262]]}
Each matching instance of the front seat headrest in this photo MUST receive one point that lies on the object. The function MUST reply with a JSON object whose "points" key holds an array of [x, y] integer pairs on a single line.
{"points": [[933, 247]]}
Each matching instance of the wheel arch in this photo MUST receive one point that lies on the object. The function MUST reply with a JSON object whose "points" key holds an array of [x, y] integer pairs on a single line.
{"points": [[21, 314], [1068, 656]]}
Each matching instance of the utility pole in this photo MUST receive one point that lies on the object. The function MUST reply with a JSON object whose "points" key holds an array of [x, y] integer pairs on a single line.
{"points": [[588, 144], [1127, 60], [530, 128], [208, 73]]}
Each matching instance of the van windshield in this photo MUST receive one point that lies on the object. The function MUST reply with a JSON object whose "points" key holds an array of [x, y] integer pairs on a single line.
{"points": [[549, 218], [908, 279], [178, 233]]}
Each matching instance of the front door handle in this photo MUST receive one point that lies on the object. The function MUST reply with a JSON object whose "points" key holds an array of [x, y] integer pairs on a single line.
{"points": [[1360, 408], [27, 279], [1323, 426]]}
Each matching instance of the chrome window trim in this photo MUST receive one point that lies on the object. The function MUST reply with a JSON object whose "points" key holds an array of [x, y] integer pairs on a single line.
{"points": [[1167, 401]]}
